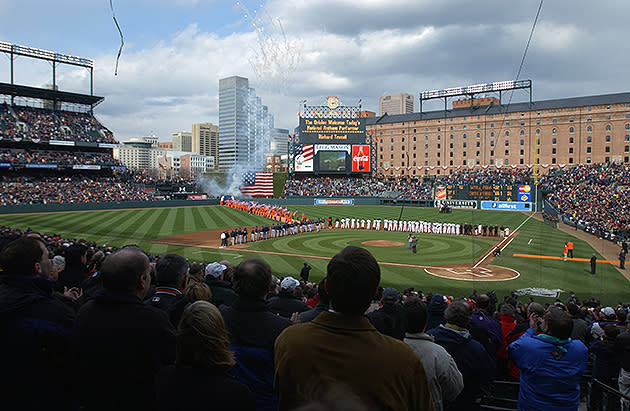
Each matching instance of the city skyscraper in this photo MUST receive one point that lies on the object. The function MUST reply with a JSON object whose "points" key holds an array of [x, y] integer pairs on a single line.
{"points": [[244, 125], [205, 140], [401, 103]]}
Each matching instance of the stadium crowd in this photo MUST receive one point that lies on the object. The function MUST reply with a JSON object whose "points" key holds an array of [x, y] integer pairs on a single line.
{"points": [[29, 123], [78, 188], [357, 187], [17, 157], [595, 198], [132, 331]]}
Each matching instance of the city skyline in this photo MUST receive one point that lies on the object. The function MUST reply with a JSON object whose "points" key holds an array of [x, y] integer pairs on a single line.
{"points": [[176, 51]]}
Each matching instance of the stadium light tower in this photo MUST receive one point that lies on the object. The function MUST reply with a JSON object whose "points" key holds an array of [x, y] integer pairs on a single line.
{"points": [[55, 58]]}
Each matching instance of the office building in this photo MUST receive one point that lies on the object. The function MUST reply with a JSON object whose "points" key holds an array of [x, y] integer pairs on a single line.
{"points": [[182, 141], [205, 139], [244, 125], [401, 103]]}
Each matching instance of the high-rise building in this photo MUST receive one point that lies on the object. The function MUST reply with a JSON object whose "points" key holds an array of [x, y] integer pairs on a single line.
{"points": [[401, 103], [182, 141], [279, 141], [244, 125], [205, 139]]}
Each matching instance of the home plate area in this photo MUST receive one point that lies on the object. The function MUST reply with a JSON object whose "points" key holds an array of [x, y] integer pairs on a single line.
{"points": [[467, 272]]}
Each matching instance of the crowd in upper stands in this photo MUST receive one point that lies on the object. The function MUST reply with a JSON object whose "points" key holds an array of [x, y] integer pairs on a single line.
{"points": [[128, 330], [29, 123], [77, 188], [25, 156]]}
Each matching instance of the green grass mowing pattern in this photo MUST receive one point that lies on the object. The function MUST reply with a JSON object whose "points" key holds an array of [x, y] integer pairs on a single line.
{"points": [[120, 227]]}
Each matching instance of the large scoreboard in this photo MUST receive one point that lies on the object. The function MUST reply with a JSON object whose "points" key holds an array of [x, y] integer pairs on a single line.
{"points": [[489, 192], [331, 140]]}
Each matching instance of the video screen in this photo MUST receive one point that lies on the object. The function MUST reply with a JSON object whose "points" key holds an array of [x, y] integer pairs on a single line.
{"points": [[332, 161]]}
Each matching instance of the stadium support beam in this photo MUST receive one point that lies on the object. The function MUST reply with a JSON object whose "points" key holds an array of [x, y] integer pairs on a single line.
{"points": [[55, 58], [476, 89]]}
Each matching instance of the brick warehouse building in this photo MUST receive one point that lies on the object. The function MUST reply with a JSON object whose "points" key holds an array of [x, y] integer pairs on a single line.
{"points": [[570, 131]]}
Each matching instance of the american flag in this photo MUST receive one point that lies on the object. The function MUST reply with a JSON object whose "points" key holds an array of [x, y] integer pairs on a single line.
{"points": [[306, 151], [257, 184]]}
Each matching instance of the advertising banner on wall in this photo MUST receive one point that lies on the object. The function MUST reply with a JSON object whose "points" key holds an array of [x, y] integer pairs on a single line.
{"points": [[361, 158], [334, 201], [506, 205], [304, 158]]}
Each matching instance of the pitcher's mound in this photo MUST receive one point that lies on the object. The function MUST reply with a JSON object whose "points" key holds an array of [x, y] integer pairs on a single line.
{"points": [[382, 243]]}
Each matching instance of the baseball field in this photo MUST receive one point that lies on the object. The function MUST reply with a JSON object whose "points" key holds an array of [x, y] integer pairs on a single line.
{"points": [[449, 264]]}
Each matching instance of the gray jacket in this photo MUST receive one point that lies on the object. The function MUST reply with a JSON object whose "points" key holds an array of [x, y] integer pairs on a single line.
{"points": [[445, 380]]}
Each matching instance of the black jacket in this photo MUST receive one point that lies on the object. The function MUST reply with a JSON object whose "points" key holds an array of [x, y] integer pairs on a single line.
{"points": [[35, 331], [171, 301], [390, 319], [285, 304], [71, 276], [120, 344], [222, 292], [181, 388]]}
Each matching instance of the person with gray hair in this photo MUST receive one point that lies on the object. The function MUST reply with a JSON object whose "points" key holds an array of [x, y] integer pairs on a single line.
{"points": [[473, 361], [171, 275], [445, 379]]}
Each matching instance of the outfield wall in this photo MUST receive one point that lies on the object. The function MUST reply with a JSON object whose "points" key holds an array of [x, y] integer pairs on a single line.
{"points": [[288, 201], [48, 208]]}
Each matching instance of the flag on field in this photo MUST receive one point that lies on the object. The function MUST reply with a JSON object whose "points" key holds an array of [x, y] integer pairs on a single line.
{"points": [[257, 184]]}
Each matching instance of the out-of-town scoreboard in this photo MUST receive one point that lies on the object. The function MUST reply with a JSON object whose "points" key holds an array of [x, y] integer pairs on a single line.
{"points": [[489, 192]]}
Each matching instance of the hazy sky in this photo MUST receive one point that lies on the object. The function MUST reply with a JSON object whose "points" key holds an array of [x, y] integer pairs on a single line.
{"points": [[176, 51]]}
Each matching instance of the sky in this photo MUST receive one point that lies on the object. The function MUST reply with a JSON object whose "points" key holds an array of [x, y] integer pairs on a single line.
{"points": [[176, 51]]}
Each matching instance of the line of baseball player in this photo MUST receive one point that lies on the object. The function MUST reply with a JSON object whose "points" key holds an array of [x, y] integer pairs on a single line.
{"points": [[426, 227]]}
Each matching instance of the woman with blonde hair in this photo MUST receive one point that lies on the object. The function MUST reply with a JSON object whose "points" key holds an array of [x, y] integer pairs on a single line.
{"points": [[198, 380]]}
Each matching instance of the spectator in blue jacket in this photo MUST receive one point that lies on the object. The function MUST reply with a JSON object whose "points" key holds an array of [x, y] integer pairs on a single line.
{"points": [[551, 364], [473, 361], [253, 330]]}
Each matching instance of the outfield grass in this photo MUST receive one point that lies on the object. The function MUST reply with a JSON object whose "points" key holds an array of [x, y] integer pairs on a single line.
{"points": [[120, 227]]}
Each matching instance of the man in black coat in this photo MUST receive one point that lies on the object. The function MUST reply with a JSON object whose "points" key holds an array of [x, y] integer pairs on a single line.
{"points": [[304, 273], [119, 342], [35, 331], [222, 292], [171, 274], [75, 271], [253, 330], [391, 318], [285, 304], [593, 263]]}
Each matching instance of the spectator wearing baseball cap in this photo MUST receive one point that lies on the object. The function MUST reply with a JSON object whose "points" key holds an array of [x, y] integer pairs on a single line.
{"points": [[222, 292], [607, 315], [287, 303], [391, 318], [436, 311]]}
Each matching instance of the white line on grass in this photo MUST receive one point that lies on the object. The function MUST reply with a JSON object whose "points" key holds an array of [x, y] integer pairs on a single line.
{"points": [[487, 254]]}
